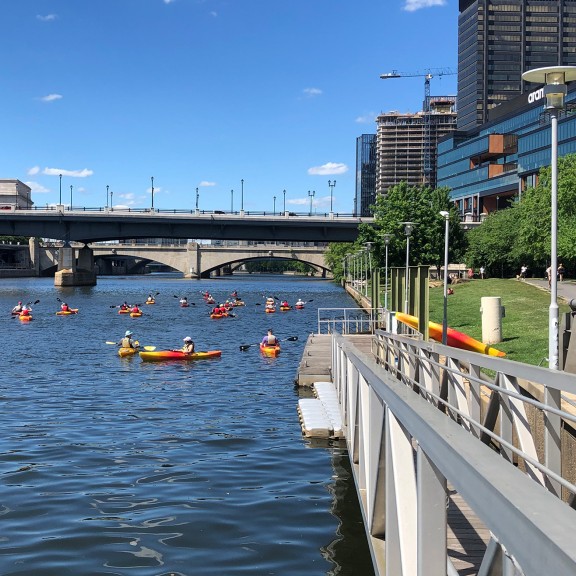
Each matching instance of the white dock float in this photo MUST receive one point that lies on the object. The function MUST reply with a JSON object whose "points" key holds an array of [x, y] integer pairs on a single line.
{"points": [[320, 416]]}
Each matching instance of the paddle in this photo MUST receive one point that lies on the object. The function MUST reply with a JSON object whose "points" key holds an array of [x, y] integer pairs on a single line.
{"points": [[27, 304], [147, 348], [289, 339], [190, 303]]}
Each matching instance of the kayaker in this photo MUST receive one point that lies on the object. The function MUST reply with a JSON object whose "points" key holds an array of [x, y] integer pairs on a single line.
{"points": [[285, 304], [25, 311], [150, 298], [135, 309], [216, 310], [183, 300], [234, 294], [188, 347], [64, 307], [124, 306], [269, 339], [222, 309], [300, 302], [127, 341], [17, 309]]}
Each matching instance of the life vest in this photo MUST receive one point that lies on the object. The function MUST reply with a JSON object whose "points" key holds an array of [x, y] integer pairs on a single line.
{"points": [[127, 342], [272, 340], [65, 307], [136, 309]]}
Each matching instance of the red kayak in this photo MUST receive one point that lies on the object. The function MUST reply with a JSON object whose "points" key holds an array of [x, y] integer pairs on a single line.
{"points": [[160, 355]]}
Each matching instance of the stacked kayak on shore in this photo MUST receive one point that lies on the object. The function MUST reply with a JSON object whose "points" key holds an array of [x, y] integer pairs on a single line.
{"points": [[161, 355]]}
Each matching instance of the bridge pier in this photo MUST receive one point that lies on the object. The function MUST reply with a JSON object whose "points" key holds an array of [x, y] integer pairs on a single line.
{"points": [[71, 273]]}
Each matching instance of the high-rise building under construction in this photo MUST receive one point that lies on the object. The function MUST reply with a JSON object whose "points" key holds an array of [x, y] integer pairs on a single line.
{"points": [[498, 40], [403, 140]]}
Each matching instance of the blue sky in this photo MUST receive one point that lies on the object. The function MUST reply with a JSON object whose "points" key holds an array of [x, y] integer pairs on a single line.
{"points": [[205, 93]]}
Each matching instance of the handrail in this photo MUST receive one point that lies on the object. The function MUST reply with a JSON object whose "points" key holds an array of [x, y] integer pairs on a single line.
{"points": [[349, 320], [410, 430]]}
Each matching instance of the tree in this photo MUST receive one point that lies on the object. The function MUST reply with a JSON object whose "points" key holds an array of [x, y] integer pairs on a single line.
{"points": [[336, 253], [421, 205]]}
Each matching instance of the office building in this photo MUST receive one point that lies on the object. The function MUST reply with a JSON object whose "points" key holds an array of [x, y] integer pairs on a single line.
{"points": [[14, 194], [365, 195], [498, 40]]}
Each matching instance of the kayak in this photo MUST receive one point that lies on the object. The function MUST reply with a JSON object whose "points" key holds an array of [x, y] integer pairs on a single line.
{"points": [[270, 310], [123, 352], [26, 318], [270, 350], [215, 316], [454, 338], [285, 308], [150, 302], [178, 355], [67, 312], [135, 314], [123, 311], [299, 306], [239, 303]]}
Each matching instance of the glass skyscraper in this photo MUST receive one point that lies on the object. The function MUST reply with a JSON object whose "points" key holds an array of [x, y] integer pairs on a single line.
{"points": [[365, 174], [498, 40]]}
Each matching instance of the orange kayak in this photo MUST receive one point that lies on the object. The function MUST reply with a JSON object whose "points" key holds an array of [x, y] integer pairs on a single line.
{"points": [[135, 314], [67, 312], [453, 337], [270, 350]]}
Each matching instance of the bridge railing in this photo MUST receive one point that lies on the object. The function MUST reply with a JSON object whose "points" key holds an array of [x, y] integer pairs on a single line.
{"points": [[420, 417]]}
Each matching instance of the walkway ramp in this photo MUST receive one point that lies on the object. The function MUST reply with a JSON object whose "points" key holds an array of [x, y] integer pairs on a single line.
{"points": [[320, 416]]}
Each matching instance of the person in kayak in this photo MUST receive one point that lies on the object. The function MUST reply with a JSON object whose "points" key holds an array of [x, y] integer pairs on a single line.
{"points": [[188, 347], [285, 304], [25, 311], [17, 309], [150, 298], [127, 341], [64, 307], [269, 339], [183, 300], [135, 309], [216, 310], [124, 306]]}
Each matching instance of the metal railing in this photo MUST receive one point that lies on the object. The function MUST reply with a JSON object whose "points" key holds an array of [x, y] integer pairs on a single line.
{"points": [[419, 416], [350, 320]]}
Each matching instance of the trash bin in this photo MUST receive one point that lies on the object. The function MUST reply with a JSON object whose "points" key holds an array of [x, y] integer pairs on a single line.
{"points": [[492, 312]]}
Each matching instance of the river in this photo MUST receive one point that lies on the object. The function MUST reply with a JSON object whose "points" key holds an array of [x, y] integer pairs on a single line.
{"points": [[114, 466]]}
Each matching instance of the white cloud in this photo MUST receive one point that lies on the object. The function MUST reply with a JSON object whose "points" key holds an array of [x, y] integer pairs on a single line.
{"points": [[207, 183], [369, 118], [311, 92], [214, 14], [72, 173], [168, 1], [328, 169], [298, 201], [37, 188], [34, 170], [46, 18], [157, 190], [51, 97], [413, 5]]}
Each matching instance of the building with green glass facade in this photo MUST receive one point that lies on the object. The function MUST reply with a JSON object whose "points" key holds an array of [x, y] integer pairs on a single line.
{"points": [[487, 168], [365, 174]]}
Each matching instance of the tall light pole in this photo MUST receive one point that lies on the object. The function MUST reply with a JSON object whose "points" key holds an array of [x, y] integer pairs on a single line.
{"points": [[331, 184], [369, 267], [284, 192], [152, 178], [274, 205], [107, 194], [408, 227], [242, 195], [111, 200], [555, 78], [232, 200], [386, 243], [70, 196], [446, 216], [311, 194], [197, 198], [60, 201]]}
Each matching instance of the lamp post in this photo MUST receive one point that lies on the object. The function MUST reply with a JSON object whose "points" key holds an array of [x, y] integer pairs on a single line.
{"points": [[284, 192], [232, 201], [331, 184], [446, 216], [242, 195], [70, 197], [60, 201], [152, 178], [111, 200], [386, 243], [107, 194], [197, 197], [274, 205], [311, 194], [369, 266], [555, 78], [408, 227]]}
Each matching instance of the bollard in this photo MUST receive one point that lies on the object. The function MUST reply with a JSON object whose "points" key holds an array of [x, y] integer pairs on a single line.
{"points": [[492, 312]]}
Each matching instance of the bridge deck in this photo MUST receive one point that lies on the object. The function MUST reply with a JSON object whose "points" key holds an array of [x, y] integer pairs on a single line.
{"points": [[467, 537]]}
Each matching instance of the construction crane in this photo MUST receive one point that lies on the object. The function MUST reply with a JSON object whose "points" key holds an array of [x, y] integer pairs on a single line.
{"points": [[427, 74]]}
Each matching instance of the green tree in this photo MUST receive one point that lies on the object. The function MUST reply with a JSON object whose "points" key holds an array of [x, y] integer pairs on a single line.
{"points": [[335, 254]]}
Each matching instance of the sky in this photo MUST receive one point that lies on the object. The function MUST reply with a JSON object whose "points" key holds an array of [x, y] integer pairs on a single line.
{"points": [[202, 94]]}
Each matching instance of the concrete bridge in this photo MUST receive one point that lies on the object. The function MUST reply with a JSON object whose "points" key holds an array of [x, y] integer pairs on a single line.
{"points": [[193, 259]]}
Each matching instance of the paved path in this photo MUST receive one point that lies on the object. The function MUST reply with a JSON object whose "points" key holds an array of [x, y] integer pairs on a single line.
{"points": [[566, 289]]}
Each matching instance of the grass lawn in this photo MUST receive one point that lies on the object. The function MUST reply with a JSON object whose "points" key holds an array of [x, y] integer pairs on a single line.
{"points": [[524, 327]]}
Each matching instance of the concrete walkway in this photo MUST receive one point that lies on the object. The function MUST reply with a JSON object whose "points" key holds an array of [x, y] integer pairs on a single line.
{"points": [[566, 289]]}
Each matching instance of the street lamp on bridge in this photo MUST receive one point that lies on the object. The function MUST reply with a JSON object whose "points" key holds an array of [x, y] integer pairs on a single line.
{"points": [[311, 194], [232, 201], [107, 194], [446, 216], [242, 195], [331, 185], [60, 201], [274, 205], [386, 243], [70, 196], [197, 197], [408, 228], [284, 192]]}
